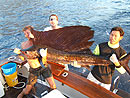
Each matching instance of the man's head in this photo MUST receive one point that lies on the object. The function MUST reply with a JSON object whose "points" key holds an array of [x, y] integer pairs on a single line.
{"points": [[27, 31], [53, 19], [116, 35]]}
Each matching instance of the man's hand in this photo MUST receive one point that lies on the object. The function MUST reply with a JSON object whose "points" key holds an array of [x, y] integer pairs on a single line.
{"points": [[75, 64], [31, 35], [17, 51], [114, 59], [120, 68], [43, 53]]}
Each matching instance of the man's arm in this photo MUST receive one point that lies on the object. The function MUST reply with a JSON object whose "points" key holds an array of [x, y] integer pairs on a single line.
{"points": [[96, 51]]}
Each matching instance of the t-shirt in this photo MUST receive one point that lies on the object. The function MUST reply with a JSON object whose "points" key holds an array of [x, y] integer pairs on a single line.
{"points": [[50, 28], [104, 73]]}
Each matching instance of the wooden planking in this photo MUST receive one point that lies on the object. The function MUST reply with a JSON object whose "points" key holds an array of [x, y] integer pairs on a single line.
{"points": [[85, 86], [57, 68]]}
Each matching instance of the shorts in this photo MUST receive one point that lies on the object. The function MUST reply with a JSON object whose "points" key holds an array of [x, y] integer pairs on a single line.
{"points": [[93, 79], [34, 73]]}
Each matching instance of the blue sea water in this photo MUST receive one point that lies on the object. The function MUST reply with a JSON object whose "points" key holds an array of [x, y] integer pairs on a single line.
{"points": [[100, 15]]}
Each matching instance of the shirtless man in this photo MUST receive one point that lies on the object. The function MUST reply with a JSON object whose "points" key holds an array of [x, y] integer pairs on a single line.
{"points": [[37, 61]]}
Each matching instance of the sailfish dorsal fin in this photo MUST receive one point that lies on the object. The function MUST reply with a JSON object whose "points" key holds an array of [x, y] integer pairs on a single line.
{"points": [[68, 39]]}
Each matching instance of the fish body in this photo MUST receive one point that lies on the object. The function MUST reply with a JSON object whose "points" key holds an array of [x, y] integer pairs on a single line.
{"points": [[72, 43], [84, 59]]}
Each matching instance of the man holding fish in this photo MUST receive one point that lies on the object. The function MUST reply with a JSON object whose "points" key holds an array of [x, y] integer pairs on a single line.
{"points": [[102, 75], [36, 58]]}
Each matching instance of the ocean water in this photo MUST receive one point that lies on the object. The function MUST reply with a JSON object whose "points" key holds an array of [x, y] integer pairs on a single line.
{"points": [[100, 15]]}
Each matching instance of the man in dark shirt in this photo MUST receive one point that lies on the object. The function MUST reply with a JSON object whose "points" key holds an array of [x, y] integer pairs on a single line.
{"points": [[102, 75]]}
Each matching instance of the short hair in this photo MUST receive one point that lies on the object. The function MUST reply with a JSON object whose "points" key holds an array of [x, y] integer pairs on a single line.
{"points": [[28, 28], [53, 15], [118, 29]]}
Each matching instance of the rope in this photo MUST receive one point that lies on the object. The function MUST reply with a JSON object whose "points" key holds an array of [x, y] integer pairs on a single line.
{"points": [[21, 86]]}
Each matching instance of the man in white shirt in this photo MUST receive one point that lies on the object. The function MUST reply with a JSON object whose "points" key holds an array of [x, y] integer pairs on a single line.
{"points": [[53, 20]]}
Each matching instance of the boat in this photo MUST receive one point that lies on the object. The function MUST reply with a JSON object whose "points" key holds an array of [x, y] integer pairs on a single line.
{"points": [[69, 84]]}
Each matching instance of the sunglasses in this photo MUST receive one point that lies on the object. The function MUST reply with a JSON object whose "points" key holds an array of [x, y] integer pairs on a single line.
{"points": [[51, 19]]}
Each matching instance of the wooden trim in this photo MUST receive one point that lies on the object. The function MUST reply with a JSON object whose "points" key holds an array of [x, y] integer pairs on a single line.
{"points": [[57, 68], [83, 85]]}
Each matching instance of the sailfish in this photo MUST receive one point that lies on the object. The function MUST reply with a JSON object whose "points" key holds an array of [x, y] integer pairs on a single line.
{"points": [[72, 43]]}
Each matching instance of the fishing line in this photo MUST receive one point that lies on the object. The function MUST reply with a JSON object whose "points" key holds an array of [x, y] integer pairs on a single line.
{"points": [[6, 49], [6, 87], [7, 33], [21, 86]]}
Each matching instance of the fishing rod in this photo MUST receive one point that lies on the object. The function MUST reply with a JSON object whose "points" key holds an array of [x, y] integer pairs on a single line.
{"points": [[7, 49]]}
